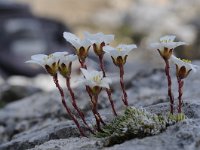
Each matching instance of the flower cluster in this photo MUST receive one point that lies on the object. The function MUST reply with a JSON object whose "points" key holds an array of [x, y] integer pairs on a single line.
{"points": [[96, 81], [165, 48]]}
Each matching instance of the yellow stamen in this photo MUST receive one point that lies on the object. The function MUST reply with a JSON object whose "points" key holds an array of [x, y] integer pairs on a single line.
{"points": [[119, 49], [166, 41], [96, 78], [186, 60]]}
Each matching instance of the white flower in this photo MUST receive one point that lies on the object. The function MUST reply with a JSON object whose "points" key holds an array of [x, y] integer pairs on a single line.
{"points": [[167, 42], [120, 50], [99, 38], [49, 62], [119, 53], [183, 67], [42, 59], [66, 59], [65, 63], [81, 46], [166, 45], [95, 78], [75, 41]]}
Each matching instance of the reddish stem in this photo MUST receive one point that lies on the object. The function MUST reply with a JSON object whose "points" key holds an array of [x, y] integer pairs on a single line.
{"points": [[171, 97], [83, 65], [124, 97], [81, 114], [94, 105], [97, 116], [107, 90], [180, 92], [94, 110], [102, 65], [55, 78]]}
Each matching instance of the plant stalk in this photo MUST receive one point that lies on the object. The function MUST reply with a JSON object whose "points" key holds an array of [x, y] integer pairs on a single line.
{"points": [[95, 112], [83, 65], [55, 78], [107, 90], [180, 93], [81, 114], [170, 94], [124, 97]]}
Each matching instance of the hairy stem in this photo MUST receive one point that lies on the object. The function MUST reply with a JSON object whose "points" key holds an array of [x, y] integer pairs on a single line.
{"points": [[124, 97], [93, 100], [83, 65], [55, 78], [180, 93], [102, 65], [170, 94], [81, 114], [107, 90], [95, 112]]}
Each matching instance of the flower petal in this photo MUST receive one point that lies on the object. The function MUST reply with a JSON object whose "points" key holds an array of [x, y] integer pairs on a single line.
{"points": [[104, 85], [73, 39], [98, 38], [86, 43], [167, 38], [127, 47], [108, 49], [156, 45], [34, 62], [58, 54], [38, 57], [172, 45], [181, 63], [85, 73], [66, 59]]}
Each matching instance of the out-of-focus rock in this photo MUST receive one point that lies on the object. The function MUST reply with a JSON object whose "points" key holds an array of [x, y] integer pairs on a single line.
{"points": [[166, 17], [145, 21], [37, 106], [1, 79], [10, 93], [23, 34]]}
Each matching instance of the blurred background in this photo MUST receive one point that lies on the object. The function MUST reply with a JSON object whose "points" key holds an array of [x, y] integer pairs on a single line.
{"points": [[36, 26]]}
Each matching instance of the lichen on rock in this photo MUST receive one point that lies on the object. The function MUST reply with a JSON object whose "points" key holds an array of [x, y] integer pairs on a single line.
{"points": [[133, 123]]}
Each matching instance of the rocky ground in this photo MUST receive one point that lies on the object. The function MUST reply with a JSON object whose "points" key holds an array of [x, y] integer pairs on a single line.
{"points": [[39, 122]]}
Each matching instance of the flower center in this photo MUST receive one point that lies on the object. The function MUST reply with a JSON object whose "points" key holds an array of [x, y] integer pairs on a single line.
{"points": [[119, 49], [186, 60], [49, 56], [96, 79], [166, 41]]}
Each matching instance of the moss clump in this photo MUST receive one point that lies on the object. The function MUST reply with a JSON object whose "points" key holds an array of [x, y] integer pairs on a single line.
{"points": [[134, 123], [176, 118]]}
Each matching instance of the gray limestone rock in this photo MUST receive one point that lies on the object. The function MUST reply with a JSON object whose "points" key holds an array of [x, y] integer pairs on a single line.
{"points": [[63, 135], [181, 136], [10, 93], [41, 134], [33, 111], [69, 144]]}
